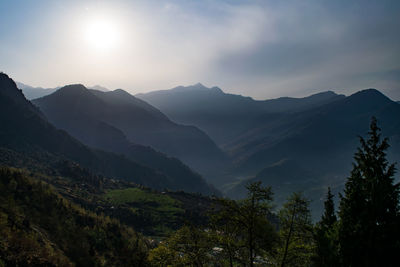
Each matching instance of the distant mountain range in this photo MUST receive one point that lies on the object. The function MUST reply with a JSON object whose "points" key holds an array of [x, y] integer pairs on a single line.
{"points": [[292, 144], [111, 120], [31, 92], [28, 140], [225, 116]]}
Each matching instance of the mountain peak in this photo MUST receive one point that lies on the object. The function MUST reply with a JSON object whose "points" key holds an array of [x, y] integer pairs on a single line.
{"points": [[72, 93], [372, 94], [196, 87], [73, 87], [326, 93], [121, 92], [75, 90], [200, 85], [217, 89], [371, 91]]}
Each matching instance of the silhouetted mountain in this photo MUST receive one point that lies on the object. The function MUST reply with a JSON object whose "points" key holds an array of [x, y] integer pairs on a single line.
{"points": [[325, 130], [88, 128], [322, 141], [84, 113], [226, 116], [27, 139], [35, 92], [290, 143]]}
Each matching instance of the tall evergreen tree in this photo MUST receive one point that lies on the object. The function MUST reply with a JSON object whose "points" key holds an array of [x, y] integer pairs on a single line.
{"points": [[369, 209], [326, 235], [328, 219]]}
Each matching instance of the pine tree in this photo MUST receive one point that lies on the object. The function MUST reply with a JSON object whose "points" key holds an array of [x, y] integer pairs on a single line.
{"points": [[328, 219], [326, 235], [369, 209]]}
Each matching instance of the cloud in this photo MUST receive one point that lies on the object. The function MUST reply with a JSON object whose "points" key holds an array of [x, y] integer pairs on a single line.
{"points": [[320, 47], [257, 48]]}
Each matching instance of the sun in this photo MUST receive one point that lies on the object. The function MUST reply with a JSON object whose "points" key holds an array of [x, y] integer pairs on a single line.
{"points": [[101, 34]]}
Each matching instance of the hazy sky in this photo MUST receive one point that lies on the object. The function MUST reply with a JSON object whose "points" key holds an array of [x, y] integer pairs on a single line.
{"points": [[260, 48]]}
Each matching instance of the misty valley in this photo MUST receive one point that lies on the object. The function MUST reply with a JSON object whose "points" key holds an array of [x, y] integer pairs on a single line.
{"points": [[184, 133], [194, 176]]}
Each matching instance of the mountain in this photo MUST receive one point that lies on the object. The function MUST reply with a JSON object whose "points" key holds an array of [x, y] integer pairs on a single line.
{"points": [[286, 177], [35, 92], [96, 117], [325, 130], [28, 140], [292, 144], [31, 92], [226, 116], [92, 131], [316, 146]]}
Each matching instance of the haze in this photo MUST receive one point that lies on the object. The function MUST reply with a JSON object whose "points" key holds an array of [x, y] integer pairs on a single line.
{"points": [[263, 49]]}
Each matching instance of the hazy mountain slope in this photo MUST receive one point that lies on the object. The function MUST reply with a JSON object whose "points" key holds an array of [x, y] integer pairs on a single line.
{"points": [[24, 131], [31, 92], [76, 109], [144, 124], [311, 150], [329, 131], [87, 128], [226, 116], [286, 177]]}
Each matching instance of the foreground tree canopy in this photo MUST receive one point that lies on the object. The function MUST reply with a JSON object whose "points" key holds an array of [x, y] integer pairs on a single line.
{"points": [[365, 232], [369, 210]]}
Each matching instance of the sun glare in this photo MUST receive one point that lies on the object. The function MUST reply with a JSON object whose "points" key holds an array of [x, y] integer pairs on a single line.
{"points": [[101, 34]]}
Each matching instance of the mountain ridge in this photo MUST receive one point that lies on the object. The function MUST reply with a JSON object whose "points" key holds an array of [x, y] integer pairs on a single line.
{"points": [[28, 137], [225, 116], [136, 121]]}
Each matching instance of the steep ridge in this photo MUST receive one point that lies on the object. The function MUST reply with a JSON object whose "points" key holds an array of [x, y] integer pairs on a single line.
{"points": [[26, 137], [80, 111], [226, 116]]}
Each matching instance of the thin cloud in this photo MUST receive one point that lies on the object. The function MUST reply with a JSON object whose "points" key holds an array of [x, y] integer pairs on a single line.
{"points": [[258, 48]]}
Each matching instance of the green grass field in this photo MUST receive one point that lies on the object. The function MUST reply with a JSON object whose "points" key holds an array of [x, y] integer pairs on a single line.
{"points": [[161, 210]]}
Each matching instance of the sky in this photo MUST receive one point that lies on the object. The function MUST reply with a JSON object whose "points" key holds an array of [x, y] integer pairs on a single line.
{"points": [[263, 49]]}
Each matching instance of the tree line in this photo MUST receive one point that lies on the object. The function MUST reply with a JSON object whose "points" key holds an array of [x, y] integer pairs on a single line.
{"points": [[364, 231]]}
